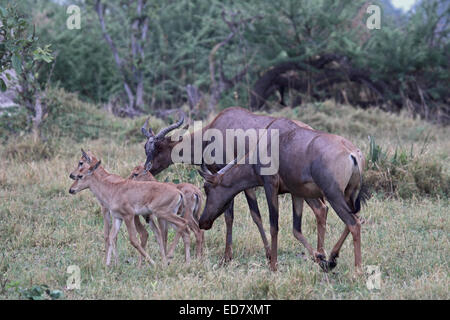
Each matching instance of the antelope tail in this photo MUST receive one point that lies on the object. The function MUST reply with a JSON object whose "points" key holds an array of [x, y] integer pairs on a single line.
{"points": [[182, 206], [361, 194], [197, 206]]}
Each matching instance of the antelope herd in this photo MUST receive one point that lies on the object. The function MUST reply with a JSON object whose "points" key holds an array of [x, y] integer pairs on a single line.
{"points": [[313, 166]]}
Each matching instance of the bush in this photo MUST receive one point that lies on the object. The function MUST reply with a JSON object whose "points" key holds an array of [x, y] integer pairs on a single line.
{"points": [[24, 149], [13, 122], [352, 122], [404, 174], [72, 118]]}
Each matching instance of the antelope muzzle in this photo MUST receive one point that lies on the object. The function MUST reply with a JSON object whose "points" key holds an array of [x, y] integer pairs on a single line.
{"points": [[205, 223]]}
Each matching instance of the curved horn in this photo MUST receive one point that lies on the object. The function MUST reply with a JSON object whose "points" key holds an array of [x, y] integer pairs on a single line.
{"points": [[86, 156], [174, 126], [146, 132], [227, 167]]}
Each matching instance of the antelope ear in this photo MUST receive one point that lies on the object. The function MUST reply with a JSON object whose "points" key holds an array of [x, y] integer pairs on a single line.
{"points": [[209, 177], [147, 132], [92, 169]]}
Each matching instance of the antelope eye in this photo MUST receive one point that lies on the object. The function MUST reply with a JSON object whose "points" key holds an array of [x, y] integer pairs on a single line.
{"points": [[80, 164], [135, 174], [79, 177]]}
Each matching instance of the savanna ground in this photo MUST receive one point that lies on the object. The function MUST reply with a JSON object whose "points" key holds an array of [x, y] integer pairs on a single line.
{"points": [[44, 229]]}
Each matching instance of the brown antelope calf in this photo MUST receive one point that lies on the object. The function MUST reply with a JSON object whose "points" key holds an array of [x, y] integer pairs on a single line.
{"points": [[193, 198], [126, 199], [158, 150], [85, 161], [312, 164]]}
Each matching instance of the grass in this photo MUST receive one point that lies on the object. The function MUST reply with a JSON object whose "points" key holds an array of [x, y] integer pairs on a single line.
{"points": [[44, 229]]}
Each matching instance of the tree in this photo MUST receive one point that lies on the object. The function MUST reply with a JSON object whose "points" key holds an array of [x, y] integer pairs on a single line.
{"points": [[19, 50], [131, 63]]}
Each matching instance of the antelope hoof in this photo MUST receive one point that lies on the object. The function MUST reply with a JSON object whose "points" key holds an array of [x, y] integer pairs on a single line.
{"points": [[332, 263], [224, 261], [273, 267], [226, 258], [322, 261]]}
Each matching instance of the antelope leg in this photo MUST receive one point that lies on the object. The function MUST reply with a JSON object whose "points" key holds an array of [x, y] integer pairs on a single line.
{"points": [[297, 211], [131, 227], [256, 216], [229, 217], [271, 190], [106, 229], [143, 235], [112, 248], [320, 211], [159, 239]]}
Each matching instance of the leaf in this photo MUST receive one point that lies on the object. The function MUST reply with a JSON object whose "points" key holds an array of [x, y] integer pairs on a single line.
{"points": [[56, 294], [37, 290], [17, 63], [192, 174], [2, 85], [3, 12]]}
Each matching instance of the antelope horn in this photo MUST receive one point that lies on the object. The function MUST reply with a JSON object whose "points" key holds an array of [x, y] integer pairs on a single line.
{"points": [[227, 167], [174, 126], [85, 155], [146, 132]]}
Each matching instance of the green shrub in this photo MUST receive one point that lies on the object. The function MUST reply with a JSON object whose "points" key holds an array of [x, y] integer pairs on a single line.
{"points": [[13, 122], [353, 123], [25, 149], [404, 174], [72, 118]]}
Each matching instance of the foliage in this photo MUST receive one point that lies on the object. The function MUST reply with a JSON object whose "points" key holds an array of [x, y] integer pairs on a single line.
{"points": [[14, 36], [21, 50], [41, 292], [404, 173], [24, 149], [67, 117], [407, 58]]}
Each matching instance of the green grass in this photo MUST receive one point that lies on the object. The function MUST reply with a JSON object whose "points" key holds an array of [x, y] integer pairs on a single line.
{"points": [[44, 229]]}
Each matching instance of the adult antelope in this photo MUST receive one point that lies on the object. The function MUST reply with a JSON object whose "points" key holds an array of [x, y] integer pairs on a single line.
{"points": [[193, 199], [158, 149], [126, 199], [312, 164]]}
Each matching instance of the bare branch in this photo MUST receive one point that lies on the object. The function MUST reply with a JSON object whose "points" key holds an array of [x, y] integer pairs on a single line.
{"points": [[99, 8]]}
